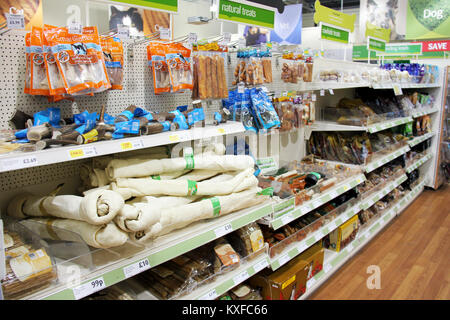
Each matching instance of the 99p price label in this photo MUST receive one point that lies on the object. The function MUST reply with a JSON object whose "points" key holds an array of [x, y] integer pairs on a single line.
{"points": [[89, 288], [136, 268]]}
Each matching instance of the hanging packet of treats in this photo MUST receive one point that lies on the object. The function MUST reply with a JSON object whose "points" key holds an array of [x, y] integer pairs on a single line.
{"points": [[179, 64], [55, 82], [38, 82], [80, 59], [113, 55], [28, 63], [157, 61]]}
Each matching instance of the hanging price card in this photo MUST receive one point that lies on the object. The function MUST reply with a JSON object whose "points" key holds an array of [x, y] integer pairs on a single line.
{"points": [[123, 32], [75, 27], [192, 38], [164, 33], [15, 21]]}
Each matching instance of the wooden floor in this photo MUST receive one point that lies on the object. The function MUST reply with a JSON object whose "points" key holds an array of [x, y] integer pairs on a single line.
{"points": [[413, 253]]}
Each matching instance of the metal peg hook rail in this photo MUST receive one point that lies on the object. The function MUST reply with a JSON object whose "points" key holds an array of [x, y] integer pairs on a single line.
{"points": [[147, 37], [109, 34]]}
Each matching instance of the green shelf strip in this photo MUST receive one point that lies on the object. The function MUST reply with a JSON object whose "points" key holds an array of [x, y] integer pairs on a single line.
{"points": [[418, 163], [372, 166], [388, 124], [420, 139]]}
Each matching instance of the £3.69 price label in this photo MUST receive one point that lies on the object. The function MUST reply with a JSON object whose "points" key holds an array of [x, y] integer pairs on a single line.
{"points": [[136, 268], [18, 163], [89, 288]]}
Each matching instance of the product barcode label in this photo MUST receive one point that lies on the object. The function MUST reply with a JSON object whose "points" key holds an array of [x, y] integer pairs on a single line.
{"points": [[18, 163], [241, 88], [164, 33], [331, 91], [210, 295], [75, 27], [322, 92], [136, 268], [82, 152], [89, 288], [314, 97], [192, 37], [223, 230], [260, 265], [123, 32], [15, 21], [241, 277]]}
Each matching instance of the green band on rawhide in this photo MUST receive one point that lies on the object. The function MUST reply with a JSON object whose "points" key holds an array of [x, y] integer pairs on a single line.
{"points": [[157, 177], [216, 206], [192, 188], [266, 192], [189, 162]]}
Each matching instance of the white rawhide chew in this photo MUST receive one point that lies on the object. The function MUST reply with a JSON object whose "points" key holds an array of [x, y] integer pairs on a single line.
{"points": [[103, 236], [97, 207], [181, 216], [229, 184], [121, 168]]}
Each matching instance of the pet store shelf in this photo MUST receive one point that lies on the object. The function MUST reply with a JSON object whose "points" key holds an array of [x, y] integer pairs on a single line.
{"points": [[385, 159], [419, 113], [419, 162], [388, 124], [23, 160], [297, 248], [162, 249], [335, 260], [367, 203], [405, 85], [298, 211], [420, 139]]}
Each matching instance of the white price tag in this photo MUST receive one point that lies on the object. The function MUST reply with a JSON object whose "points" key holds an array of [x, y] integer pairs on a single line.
{"points": [[15, 21], [192, 38], [164, 33], [314, 97], [284, 259], [75, 27], [260, 265], [302, 247], [333, 194], [331, 91], [397, 89], [311, 282], [242, 43], [322, 92], [123, 32], [317, 203], [241, 88], [327, 268], [226, 38], [223, 230], [241, 277], [287, 218], [264, 89], [305, 96], [89, 288], [210, 295], [18, 163], [136, 268]]}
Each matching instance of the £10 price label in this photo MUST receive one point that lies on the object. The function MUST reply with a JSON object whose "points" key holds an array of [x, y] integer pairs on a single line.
{"points": [[89, 288], [223, 230], [136, 268]]}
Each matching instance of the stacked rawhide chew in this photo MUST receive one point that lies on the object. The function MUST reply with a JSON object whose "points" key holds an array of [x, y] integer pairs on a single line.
{"points": [[143, 197]]}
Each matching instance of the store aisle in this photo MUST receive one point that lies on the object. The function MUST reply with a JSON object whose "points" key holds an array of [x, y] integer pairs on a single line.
{"points": [[413, 254]]}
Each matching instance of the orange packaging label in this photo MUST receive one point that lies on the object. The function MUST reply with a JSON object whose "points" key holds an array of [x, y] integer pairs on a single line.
{"points": [[30, 265]]}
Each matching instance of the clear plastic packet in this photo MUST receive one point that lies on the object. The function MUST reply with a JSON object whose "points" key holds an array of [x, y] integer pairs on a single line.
{"points": [[265, 112], [178, 61], [157, 61], [246, 112], [55, 82], [38, 82]]}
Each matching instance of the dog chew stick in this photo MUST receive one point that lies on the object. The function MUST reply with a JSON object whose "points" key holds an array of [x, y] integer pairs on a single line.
{"points": [[195, 78], [208, 77], [126, 115], [43, 144], [58, 132], [202, 91], [165, 116], [223, 77], [214, 77], [153, 127], [39, 132]]}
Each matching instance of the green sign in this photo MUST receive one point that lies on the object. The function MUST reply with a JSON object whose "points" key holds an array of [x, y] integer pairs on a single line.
{"points": [[428, 19], [402, 49], [244, 12], [165, 5], [333, 17], [361, 53], [376, 45], [334, 34], [379, 33]]}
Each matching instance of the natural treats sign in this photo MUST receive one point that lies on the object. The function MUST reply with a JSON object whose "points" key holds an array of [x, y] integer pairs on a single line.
{"points": [[247, 12], [428, 19], [164, 5]]}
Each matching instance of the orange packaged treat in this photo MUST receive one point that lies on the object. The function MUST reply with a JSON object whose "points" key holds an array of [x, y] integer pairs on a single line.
{"points": [[55, 82], [38, 81], [179, 65], [113, 55], [157, 61], [28, 63]]}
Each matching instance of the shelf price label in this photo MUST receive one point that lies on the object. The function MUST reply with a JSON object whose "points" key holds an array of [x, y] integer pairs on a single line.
{"points": [[82, 152], [260, 265], [89, 288], [241, 277], [287, 218], [223, 230], [164, 33], [311, 282], [210, 295], [136, 268], [19, 163], [129, 145], [221, 130], [174, 138], [285, 258]]}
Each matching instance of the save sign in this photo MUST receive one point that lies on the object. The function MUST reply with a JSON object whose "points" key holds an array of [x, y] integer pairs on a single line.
{"points": [[435, 46]]}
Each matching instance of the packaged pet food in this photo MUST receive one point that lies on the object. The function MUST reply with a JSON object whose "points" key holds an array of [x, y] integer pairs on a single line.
{"points": [[55, 82], [38, 81], [113, 55], [179, 65], [157, 61]]}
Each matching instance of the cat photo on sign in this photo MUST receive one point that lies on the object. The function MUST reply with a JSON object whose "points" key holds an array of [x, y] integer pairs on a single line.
{"points": [[140, 21]]}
